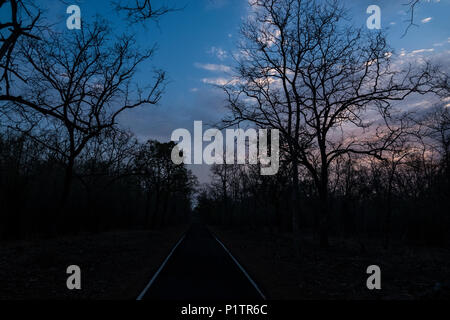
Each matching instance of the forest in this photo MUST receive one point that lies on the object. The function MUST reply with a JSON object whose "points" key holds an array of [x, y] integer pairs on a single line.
{"points": [[363, 176], [66, 165], [356, 160]]}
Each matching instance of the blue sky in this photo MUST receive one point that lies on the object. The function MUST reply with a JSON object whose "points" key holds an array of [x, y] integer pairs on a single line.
{"points": [[196, 47]]}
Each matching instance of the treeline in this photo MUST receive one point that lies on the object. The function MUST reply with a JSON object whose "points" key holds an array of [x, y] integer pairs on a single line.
{"points": [[402, 197], [118, 183], [357, 157], [65, 163]]}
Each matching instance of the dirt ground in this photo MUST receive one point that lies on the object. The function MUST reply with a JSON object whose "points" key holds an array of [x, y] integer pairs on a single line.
{"points": [[340, 271], [114, 265]]}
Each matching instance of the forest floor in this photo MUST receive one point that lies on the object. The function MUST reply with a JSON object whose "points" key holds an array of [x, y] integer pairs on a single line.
{"points": [[114, 265], [340, 271]]}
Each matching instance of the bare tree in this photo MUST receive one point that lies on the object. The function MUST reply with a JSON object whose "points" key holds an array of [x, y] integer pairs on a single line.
{"points": [[106, 159], [22, 22], [411, 9], [161, 179], [434, 133], [411, 4], [142, 10], [326, 86], [78, 85], [26, 20]]}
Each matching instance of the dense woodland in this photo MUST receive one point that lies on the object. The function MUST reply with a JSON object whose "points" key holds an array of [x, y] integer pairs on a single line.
{"points": [[66, 165], [118, 183], [355, 161], [400, 199]]}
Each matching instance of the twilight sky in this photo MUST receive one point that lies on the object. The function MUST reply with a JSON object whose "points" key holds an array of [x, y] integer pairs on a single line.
{"points": [[196, 47]]}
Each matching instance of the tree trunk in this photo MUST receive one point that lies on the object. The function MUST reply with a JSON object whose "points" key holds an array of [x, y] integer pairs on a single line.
{"points": [[295, 207], [324, 217], [164, 220], [324, 210], [154, 218], [61, 207], [147, 217], [387, 227], [68, 176]]}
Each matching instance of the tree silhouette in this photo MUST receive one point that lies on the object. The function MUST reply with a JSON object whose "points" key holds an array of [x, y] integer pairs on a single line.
{"points": [[22, 22], [161, 179], [78, 84], [320, 82]]}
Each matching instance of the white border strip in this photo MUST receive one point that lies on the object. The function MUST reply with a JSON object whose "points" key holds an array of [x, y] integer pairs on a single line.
{"points": [[159, 270], [242, 269]]}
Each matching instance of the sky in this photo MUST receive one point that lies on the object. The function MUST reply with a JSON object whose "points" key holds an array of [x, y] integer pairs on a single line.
{"points": [[196, 46]]}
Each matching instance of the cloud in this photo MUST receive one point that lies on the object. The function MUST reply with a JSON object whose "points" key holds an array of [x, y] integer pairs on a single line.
{"points": [[426, 20], [421, 51], [219, 53], [193, 89], [216, 81], [442, 43], [212, 67], [415, 54]]}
